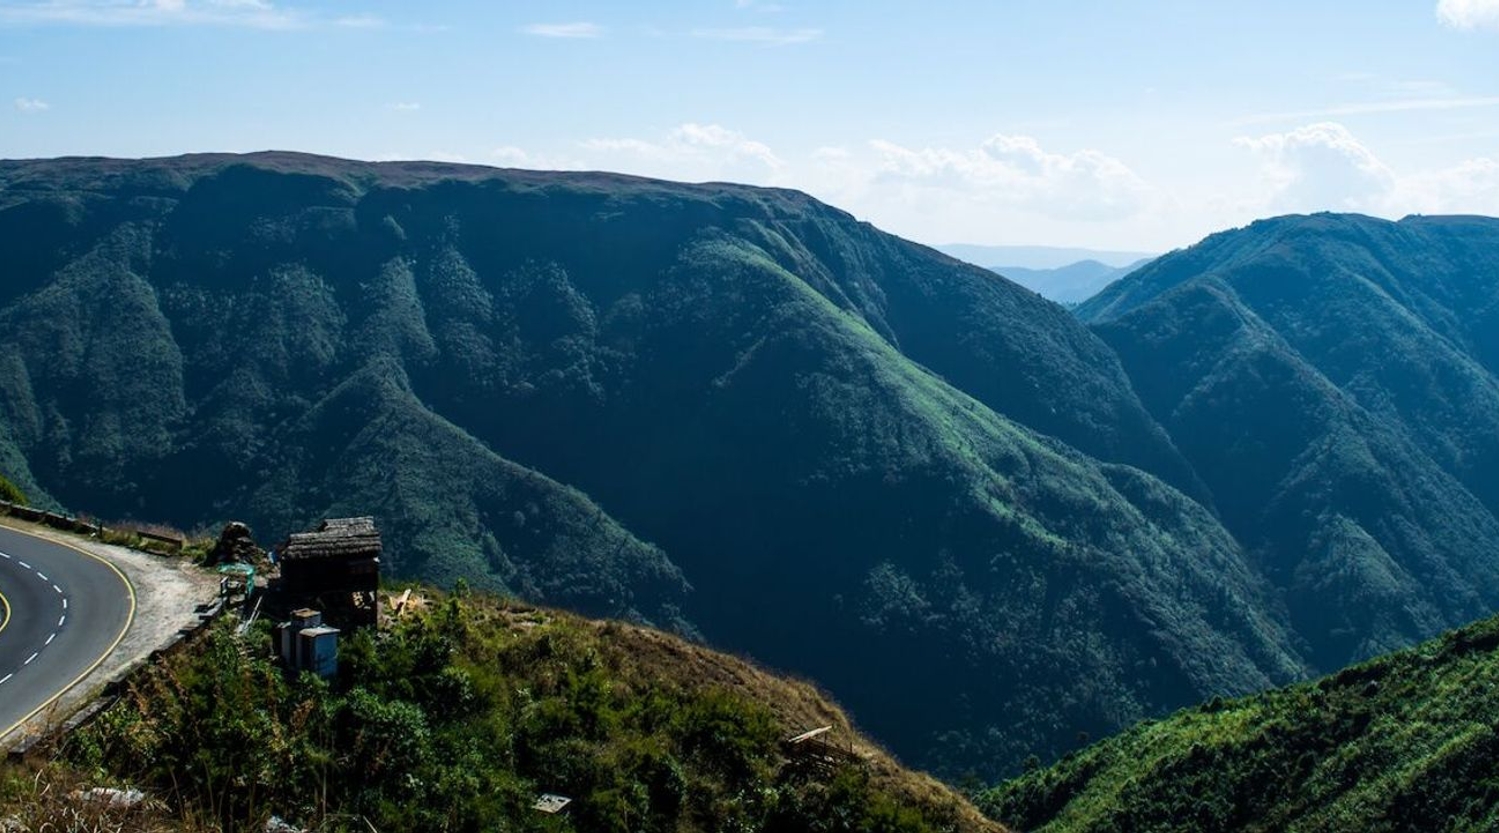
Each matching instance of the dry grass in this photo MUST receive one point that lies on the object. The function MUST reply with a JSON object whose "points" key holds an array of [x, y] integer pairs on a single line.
{"points": [[52, 800], [642, 656], [797, 706]]}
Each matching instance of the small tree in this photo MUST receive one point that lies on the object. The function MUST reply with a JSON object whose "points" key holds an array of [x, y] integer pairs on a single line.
{"points": [[10, 493]]}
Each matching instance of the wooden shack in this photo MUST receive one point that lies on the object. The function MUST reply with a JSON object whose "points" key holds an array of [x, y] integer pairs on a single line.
{"points": [[336, 569], [816, 752]]}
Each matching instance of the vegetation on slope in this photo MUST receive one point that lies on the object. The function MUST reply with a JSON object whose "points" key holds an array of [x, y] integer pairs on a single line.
{"points": [[9, 493], [462, 714], [1332, 381], [1405, 742], [713, 407]]}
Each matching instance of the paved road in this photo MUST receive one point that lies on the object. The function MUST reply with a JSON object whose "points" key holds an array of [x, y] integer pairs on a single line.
{"points": [[62, 612]]}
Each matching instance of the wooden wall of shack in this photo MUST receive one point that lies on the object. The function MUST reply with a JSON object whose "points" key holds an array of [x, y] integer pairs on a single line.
{"points": [[336, 569]]}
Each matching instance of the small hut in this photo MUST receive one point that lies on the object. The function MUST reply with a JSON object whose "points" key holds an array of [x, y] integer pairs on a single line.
{"points": [[336, 568], [815, 752]]}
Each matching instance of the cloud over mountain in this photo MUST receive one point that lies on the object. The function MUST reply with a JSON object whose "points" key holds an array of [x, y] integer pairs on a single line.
{"points": [[1016, 170], [1469, 14], [1318, 167]]}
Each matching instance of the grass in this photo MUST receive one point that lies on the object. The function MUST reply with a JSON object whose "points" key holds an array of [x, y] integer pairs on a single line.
{"points": [[55, 799], [1402, 742], [468, 707]]}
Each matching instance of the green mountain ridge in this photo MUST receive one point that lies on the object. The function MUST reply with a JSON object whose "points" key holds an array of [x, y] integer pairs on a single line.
{"points": [[1329, 380], [1403, 742], [601, 391]]}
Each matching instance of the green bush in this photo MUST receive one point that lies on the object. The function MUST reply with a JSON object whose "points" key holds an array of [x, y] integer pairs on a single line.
{"points": [[10, 493], [455, 720]]}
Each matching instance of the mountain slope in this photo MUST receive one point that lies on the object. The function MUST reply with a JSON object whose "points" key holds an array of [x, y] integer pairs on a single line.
{"points": [[1330, 378], [463, 711], [1405, 742], [847, 445]]}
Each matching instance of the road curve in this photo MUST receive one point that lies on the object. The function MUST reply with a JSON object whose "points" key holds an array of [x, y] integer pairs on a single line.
{"points": [[62, 611]]}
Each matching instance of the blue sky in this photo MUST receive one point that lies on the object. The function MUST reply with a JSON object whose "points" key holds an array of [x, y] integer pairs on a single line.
{"points": [[1136, 125]]}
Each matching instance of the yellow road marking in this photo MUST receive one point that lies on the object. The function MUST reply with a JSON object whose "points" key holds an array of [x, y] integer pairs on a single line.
{"points": [[4, 603], [129, 620]]}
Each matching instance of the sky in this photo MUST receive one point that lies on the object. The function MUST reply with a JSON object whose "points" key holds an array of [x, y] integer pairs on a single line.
{"points": [[1116, 124]]}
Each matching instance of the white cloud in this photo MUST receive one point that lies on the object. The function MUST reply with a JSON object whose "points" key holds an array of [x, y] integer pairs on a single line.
{"points": [[253, 14], [1470, 187], [1425, 87], [1320, 167], [1016, 171], [32, 105], [510, 156], [763, 35], [1469, 14], [1324, 167], [1363, 108], [691, 152], [564, 30], [759, 6], [717, 139], [258, 14], [361, 21]]}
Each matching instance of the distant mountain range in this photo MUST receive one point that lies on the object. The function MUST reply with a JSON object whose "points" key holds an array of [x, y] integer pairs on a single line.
{"points": [[1038, 257], [1071, 284], [1067, 276], [737, 412]]}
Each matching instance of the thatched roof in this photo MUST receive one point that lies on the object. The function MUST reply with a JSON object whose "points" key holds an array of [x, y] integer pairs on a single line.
{"points": [[340, 538]]}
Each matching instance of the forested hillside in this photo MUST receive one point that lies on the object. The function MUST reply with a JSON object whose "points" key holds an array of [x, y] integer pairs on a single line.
{"points": [[1332, 380], [1405, 742], [741, 414], [720, 409]]}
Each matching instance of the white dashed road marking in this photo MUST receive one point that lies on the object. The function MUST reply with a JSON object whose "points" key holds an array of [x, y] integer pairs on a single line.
{"points": [[61, 620]]}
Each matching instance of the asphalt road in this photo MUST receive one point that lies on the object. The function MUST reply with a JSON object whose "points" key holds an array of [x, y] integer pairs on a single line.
{"points": [[62, 612]]}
